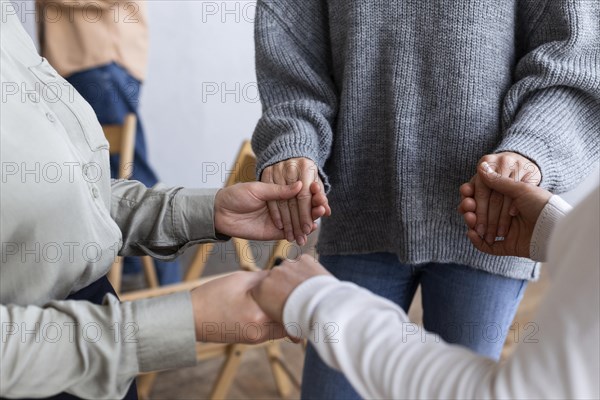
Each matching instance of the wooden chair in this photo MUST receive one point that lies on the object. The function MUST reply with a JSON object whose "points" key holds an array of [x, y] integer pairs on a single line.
{"points": [[243, 171], [121, 139]]}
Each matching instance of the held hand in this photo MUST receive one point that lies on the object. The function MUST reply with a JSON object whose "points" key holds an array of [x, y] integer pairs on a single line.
{"points": [[294, 215], [225, 312], [527, 202], [272, 292], [241, 210], [494, 209]]}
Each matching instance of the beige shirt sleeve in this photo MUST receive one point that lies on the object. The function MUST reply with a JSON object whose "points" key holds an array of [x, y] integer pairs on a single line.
{"points": [[162, 221], [92, 351]]}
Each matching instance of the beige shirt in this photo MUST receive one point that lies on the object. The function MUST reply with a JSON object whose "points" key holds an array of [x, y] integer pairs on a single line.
{"points": [[62, 221], [385, 356], [76, 35]]}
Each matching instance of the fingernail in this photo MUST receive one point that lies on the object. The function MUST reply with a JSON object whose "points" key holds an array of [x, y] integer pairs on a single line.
{"points": [[481, 230], [502, 231], [490, 239], [306, 229], [300, 240], [487, 167]]}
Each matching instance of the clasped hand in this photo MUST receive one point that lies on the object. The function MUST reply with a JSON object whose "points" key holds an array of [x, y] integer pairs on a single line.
{"points": [[502, 199]]}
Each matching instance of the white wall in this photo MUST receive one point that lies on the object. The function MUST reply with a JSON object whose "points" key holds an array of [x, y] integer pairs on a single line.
{"points": [[200, 100]]}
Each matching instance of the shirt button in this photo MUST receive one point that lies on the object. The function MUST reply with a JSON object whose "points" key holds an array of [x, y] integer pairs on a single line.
{"points": [[95, 192], [50, 117]]}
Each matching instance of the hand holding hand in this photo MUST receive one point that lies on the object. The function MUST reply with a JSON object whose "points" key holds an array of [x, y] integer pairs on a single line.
{"points": [[241, 210], [494, 209], [273, 291], [527, 200], [225, 311], [293, 215]]}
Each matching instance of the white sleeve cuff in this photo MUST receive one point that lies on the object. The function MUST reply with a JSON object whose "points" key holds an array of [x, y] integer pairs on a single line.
{"points": [[555, 210], [302, 302]]}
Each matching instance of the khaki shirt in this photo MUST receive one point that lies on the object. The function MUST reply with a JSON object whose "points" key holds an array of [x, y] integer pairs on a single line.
{"points": [[62, 221], [76, 35]]}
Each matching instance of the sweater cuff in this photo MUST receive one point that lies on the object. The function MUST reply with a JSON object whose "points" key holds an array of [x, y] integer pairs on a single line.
{"points": [[166, 335], [535, 149], [544, 131], [287, 147], [554, 211], [194, 216], [302, 302]]}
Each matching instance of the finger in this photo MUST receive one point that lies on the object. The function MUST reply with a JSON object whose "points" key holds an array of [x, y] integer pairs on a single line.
{"points": [[305, 207], [467, 205], [466, 190], [284, 209], [505, 218], [267, 177], [317, 187], [317, 212], [493, 216], [504, 185], [470, 219], [294, 207], [269, 192], [482, 197], [478, 242]]}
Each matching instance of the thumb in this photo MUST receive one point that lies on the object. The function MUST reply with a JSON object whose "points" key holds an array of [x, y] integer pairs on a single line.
{"points": [[503, 185], [271, 191]]}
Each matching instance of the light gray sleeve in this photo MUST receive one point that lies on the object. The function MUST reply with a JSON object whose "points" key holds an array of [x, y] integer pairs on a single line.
{"points": [[551, 114], [161, 221], [299, 99], [553, 212], [92, 351]]}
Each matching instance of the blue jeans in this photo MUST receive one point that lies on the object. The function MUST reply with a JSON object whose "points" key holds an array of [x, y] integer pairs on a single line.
{"points": [[113, 93], [463, 305]]}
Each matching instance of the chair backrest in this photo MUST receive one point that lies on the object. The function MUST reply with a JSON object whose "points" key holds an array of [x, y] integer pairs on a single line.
{"points": [[121, 139]]}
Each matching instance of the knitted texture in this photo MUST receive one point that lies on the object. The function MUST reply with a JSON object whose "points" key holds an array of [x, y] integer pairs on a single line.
{"points": [[396, 101]]}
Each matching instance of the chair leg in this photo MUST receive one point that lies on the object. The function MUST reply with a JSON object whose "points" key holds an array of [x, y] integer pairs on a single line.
{"points": [[283, 377], [227, 372], [150, 272], [145, 383], [199, 262], [115, 274]]}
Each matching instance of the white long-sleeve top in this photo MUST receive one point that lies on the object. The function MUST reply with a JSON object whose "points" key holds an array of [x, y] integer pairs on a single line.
{"points": [[372, 341]]}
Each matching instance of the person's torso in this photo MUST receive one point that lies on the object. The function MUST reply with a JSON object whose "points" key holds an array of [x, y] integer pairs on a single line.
{"points": [[57, 233]]}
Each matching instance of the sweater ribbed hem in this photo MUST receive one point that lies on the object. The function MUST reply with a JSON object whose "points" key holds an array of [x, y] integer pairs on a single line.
{"points": [[417, 242]]}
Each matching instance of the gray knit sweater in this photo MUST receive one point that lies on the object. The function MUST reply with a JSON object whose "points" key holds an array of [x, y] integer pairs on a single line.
{"points": [[396, 101]]}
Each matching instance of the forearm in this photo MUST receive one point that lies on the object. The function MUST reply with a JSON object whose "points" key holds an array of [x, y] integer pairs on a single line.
{"points": [[162, 221], [381, 353], [551, 114], [298, 95], [100, 349]]}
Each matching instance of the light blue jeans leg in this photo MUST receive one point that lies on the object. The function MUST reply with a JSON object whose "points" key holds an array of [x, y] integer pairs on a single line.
{"points": [[468, 306]]}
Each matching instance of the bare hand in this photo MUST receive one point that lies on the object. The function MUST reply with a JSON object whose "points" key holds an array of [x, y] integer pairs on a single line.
{"points": [[294, 215], [273, 291], [527, 202], [225, 311], [494, 209], [242, 210]]}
